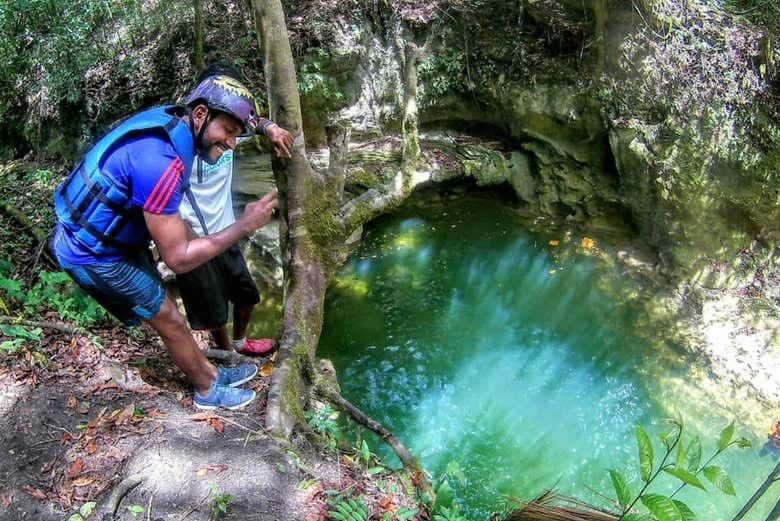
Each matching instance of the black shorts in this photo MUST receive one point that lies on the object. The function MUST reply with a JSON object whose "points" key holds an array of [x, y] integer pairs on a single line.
{"points": [[207, 289]]}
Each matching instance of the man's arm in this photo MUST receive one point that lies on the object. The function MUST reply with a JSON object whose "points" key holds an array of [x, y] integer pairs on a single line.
{"points": [[182, 253]]}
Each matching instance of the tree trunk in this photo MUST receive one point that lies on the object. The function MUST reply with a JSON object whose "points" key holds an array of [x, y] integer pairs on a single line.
{"points": [[301, 189], [199, 36]]}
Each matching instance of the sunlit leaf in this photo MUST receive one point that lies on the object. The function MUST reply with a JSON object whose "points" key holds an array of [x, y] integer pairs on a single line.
{"points": [[662, 507], [364, 451], [694, 455], [685, 476], [645, 453], [725, 436], [744, 443], [443, 496], [621, 488], [718, 477], [687, 513], [637, 517]]}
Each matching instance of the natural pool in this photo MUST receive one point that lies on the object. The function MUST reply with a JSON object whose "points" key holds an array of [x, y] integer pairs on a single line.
{"points": [[525, 361]]}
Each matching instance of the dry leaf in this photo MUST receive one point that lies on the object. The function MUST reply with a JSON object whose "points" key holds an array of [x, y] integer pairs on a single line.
{"points": [[218, 425], [554, 242], [267, 369], [7, 501], [35, 492], [84, 481], [203, 416], [75, 468], [385, 501], [91, 447], [66, 437], [72, 402]]}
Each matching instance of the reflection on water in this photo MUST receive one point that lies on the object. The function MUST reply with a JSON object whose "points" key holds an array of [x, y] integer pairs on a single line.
{"points": [[478, 342]]}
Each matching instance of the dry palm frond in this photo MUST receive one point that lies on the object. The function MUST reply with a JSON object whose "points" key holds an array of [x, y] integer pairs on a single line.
{"points": [[550, 506]]}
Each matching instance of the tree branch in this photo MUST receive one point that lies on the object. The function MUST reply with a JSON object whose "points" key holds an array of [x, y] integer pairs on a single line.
{"points": [[58, 326], [410, 463]]}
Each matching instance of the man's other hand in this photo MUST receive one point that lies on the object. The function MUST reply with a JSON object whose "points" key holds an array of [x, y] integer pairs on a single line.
{"points": [[257, 214], [281, 139]]}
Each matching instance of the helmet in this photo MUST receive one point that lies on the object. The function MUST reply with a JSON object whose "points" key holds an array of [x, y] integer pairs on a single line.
{"points": [[228, 95]]}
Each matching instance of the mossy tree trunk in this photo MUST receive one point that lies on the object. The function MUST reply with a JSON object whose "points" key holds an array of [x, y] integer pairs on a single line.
{"points": [[315, 223]]}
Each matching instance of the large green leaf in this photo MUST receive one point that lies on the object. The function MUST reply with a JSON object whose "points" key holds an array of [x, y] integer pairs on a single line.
{"points": [[693, 456], [685, 476], [637, 517], [718, 477], [621, 488], [686, 512], [662, 507], [726, 435], [645, 453]]}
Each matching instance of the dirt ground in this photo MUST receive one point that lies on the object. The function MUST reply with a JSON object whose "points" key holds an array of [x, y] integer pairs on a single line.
{"points": [[115, 425]]}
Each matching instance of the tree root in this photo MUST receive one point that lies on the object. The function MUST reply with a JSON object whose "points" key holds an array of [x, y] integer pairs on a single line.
{"points": [[408, 460], [234, 358], [108, 512], [57, 326]]}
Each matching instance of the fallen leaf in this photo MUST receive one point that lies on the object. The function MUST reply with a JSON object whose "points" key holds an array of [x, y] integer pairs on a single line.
{"points": [[267, 369], [386, 501], [554, 242], [35, 492], [91, 447], [72, 402], [588, 243], [115, 453], [65, 438], [156, 413], [84, 481], [416, 479], [218, 425], [75, 468], [7, 501], [203, 416], [74, 347], [218, 469], [103, 387]]}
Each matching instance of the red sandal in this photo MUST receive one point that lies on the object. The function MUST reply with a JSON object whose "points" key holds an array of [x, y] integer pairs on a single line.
{"points": [[257, 346]]}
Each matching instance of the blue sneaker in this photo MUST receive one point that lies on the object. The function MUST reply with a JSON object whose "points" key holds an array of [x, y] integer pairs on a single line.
{"points": [[235, 376], [224, 396]]}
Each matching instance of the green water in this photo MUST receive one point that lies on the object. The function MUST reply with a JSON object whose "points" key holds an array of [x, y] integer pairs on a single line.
{"points": [[476, 341]]}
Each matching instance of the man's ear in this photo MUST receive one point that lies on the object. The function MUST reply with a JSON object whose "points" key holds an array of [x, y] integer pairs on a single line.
{"points": [[199, 115]]}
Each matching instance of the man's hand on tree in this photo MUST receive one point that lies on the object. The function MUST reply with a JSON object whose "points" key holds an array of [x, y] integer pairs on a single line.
{"points": [[257, 214], [280, 138]]}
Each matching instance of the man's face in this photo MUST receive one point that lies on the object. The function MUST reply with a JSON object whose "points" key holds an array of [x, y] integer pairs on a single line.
{"points": [[220, 133]]}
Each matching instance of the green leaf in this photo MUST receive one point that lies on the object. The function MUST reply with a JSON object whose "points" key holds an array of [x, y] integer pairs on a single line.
{"points": [[136, 509], [685, 476], [687, 513], [682, 453], [621, 488], [364, 451], [645, 453], [87, 508], [694, 455], [637, 517], [76, 517], [662, 507], [744, 443], [375, 470], [726, 435], [443, 496], [718, 477]]}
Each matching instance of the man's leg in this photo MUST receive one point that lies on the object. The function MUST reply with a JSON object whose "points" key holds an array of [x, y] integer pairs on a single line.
{"points": [[241, 316], [221, 338], [172, 328]]}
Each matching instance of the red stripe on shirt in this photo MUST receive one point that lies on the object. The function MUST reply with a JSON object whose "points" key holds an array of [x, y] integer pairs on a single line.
{"points": [[174, 170], [167, 190], [160, 182]]}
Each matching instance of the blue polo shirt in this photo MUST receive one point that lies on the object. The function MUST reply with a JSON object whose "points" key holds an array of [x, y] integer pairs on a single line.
{"points": [[148, 168]]}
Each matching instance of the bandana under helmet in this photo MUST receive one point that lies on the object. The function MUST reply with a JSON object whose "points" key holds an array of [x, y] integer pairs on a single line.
{"points": [[228, 95]]}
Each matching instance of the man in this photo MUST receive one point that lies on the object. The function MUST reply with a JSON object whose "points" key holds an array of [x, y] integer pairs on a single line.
{"points": [[126, 191], [226, 277]]}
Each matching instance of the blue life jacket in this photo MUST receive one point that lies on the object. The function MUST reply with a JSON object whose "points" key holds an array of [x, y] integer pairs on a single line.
{"points": [[93, 208]]}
